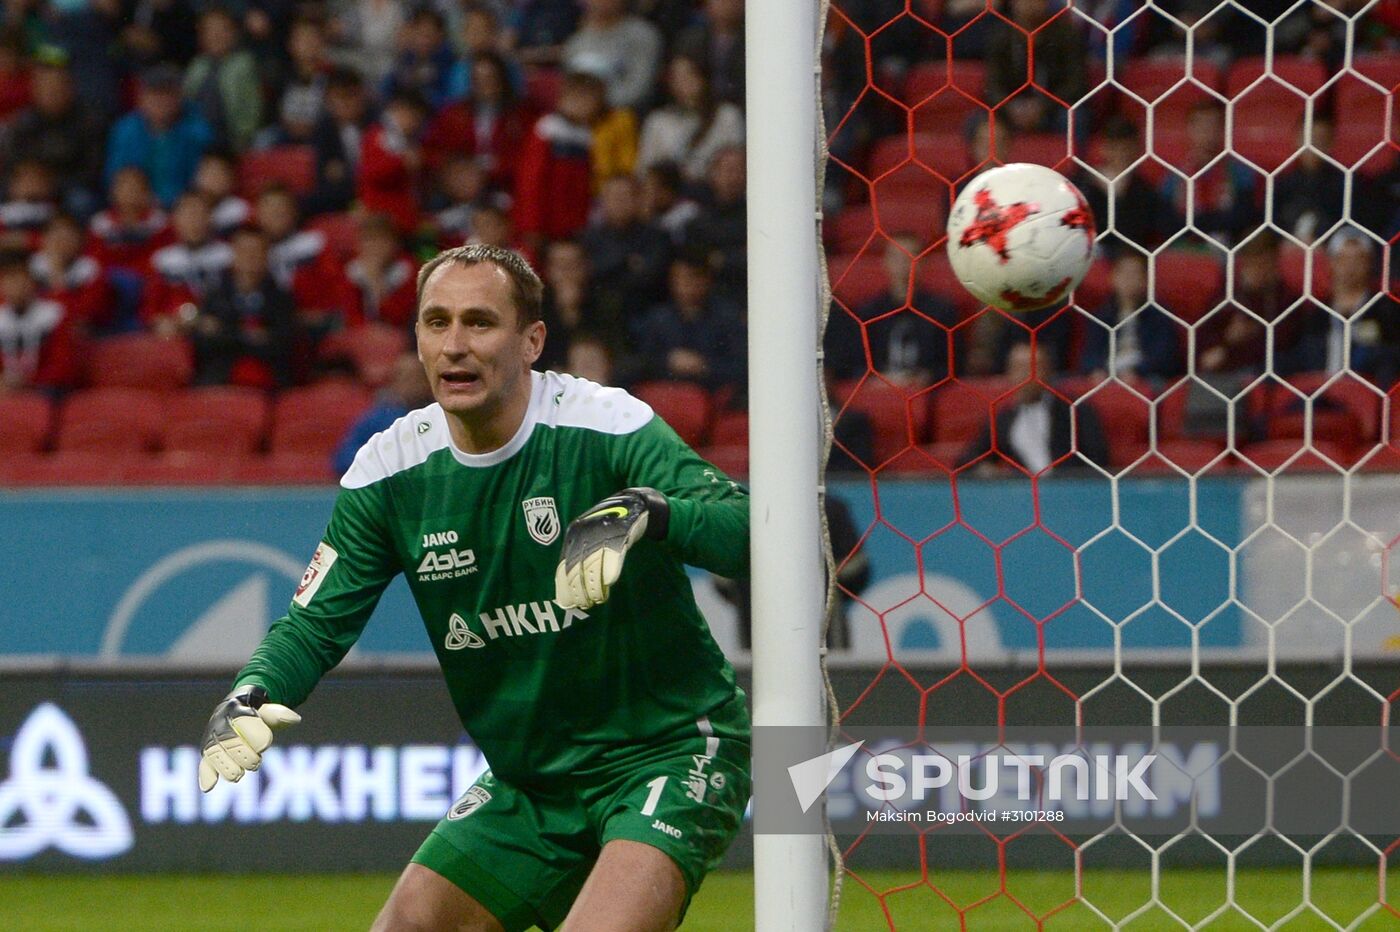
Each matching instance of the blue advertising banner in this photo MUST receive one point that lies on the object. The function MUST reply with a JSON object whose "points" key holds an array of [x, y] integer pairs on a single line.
{"points": [[984, 571]]}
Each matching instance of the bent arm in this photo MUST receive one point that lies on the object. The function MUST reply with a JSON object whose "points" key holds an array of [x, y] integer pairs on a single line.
{"points": [[339, 591]]}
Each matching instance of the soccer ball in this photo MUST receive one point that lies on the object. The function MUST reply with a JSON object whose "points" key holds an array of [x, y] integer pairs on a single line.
{"points": [[1020, 237]]}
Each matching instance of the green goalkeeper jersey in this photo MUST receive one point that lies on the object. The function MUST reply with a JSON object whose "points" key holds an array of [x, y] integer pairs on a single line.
{"points": [[544, 691]]}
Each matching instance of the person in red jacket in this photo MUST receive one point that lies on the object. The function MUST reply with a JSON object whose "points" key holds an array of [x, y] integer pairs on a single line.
{"points": [[66, 275], [489, 125], [555, 177], [186, 271], [130, 231], [379, 283], [37, 343], [391, 158], [31, 198]]}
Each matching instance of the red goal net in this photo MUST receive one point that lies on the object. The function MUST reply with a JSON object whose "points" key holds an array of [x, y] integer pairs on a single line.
{"points": [[1161, 501]]}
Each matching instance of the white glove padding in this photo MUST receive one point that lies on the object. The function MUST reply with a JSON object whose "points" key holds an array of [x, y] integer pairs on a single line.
{"points": [[596, 544], [237, 734]]}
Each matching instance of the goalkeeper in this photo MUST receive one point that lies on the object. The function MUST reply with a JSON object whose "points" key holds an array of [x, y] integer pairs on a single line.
{"points": [[576, 658]]}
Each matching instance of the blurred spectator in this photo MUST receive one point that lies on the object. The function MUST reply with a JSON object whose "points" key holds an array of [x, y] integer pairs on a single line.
{"points": [[555, 177], [217, 179], [222, 83], [1224, 194], [160, 30], [302, 84], [1234, 338], [425, 62], [133, 227], [298, 124], [378, 283], [693, 126], [569, 306], [87, 32], [161, 136], [15, 76], [491, 225], [37, 342], [480, 35], [64, 274], [391, 157], [463, 186], [906, 327], [537, 29], [30, 200], [622, 49], [368, 32], [695, 336], [1139, 213], [1376, 203], [338, 153], [245, 332], [1308, 194], [406, 391], [490, 125], [1362, 331], [1143, 341], [628, 255], [590, 358], [1056, 70], [664, 203], [1038, 428], [59, 131], [721, 231], [298, 258], [717, 41], [986, 137], [614, 136], [188, 269]]}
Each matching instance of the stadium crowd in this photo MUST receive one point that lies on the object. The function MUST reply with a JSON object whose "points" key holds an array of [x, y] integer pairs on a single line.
{"points": [[238, 195]]}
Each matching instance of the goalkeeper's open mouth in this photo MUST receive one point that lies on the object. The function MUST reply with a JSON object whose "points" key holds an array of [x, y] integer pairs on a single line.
{"points": [[456, 379]]}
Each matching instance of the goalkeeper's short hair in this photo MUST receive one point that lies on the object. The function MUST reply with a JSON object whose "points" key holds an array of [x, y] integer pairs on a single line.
{"points": [[526, 287]]}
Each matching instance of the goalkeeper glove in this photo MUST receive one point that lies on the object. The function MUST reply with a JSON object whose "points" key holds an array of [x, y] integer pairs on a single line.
{"points": [[238, 732], [597, 542]]}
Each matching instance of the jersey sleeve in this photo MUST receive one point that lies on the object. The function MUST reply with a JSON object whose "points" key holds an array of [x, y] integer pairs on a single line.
{"points": [[352, 565], [709, 525]]}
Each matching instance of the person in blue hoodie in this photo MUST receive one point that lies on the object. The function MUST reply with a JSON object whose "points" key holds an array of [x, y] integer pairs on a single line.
{"points": [[162, 136]]}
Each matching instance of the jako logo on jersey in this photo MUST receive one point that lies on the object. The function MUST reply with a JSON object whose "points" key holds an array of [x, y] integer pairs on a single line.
{"points": [[50, 799], [449, 565], [531, 618], [472, 800], [460, 636], [541, 519], [321, 562]]}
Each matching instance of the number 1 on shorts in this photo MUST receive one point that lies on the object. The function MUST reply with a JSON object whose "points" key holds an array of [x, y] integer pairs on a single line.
{"points": [[654, 797]]}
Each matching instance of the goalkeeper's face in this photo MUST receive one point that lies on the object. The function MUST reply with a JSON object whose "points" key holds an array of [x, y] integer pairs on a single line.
{"points": [[474, 349]]}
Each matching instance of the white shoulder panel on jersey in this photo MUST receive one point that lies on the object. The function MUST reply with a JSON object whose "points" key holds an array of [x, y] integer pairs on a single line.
{"points": [[569, 401], [408, 442]]}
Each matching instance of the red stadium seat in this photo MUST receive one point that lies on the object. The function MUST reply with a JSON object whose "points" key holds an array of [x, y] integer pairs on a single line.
{"points": [[962, 409], [285, 469], [850, 229], [731, 428], [683, 405], [1306, 75], [216, 418], [293, 167], [1125, 412], [25, 421], [1050, 149], [182, 467], [109, 420], [932, 78], [1188, 283], [373, 348], [1271, 455], [314, 419], [731, 459], [82, 467], [139, 360], [342, 233], [1192, 456], [856, 279], [898, 418]]}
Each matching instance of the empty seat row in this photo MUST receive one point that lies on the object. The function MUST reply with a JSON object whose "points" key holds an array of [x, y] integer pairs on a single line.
{"points": [[217, 420]]}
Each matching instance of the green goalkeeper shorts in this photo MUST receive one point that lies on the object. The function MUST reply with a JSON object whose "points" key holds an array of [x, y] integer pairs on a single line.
{"points": [[524, 855]]}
